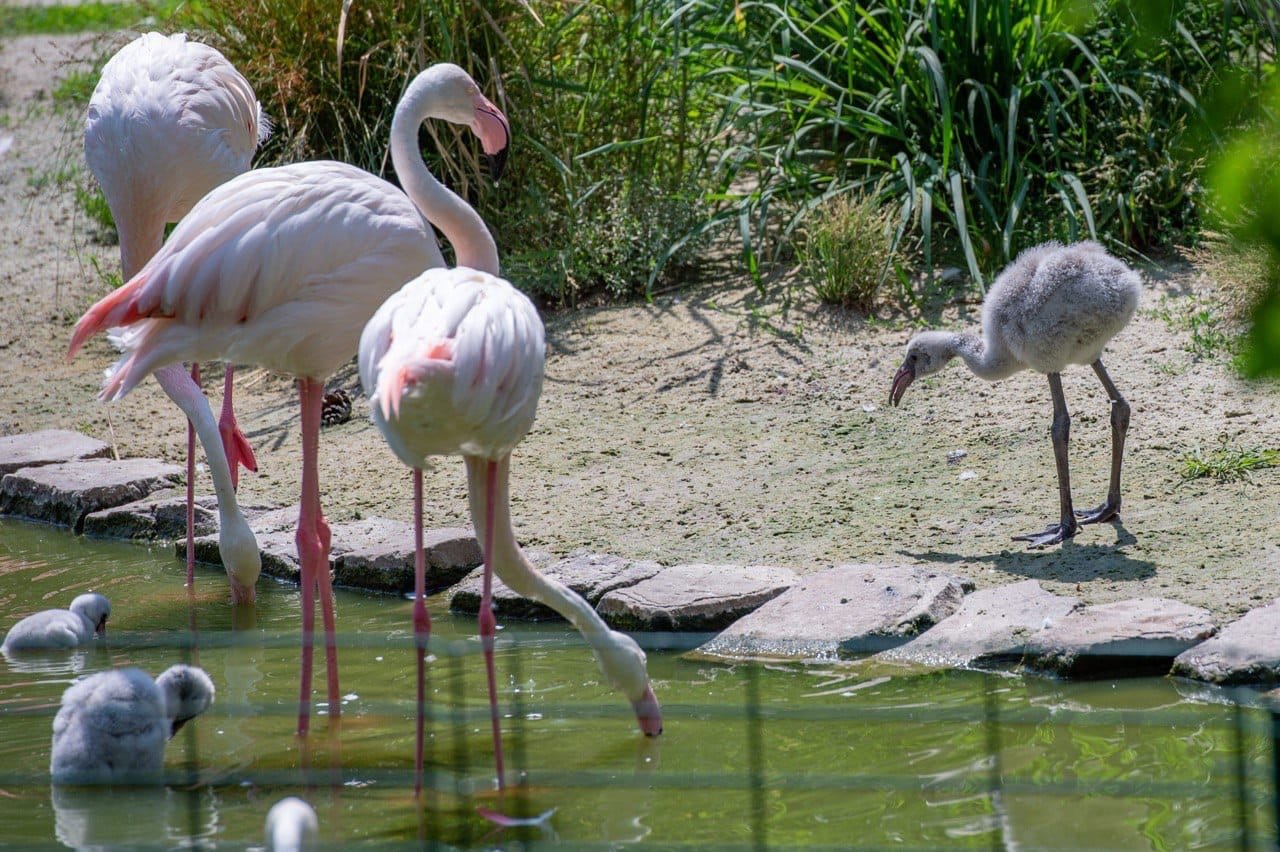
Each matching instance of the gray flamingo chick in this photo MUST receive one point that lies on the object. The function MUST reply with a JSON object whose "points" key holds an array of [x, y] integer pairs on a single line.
{"points": [[56, 629], [112, 726], [1054, 305]]}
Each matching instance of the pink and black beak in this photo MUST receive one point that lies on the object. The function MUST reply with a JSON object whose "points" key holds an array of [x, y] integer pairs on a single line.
{"points": [[495, 134], [101, 628], [902, 379]]}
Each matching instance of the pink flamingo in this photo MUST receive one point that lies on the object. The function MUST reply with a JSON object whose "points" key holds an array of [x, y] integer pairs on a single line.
{"points": [[168, 121], [282, 267], [452, 365]]}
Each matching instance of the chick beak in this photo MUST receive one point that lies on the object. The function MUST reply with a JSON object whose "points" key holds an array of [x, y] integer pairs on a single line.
{"points": [[905, 376]]}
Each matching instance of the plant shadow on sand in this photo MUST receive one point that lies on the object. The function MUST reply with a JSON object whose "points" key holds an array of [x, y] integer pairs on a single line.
{"points": [[1069, 563]]}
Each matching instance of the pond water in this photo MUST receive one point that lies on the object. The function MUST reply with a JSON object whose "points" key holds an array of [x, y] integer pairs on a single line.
{"points": [[780, 756]]}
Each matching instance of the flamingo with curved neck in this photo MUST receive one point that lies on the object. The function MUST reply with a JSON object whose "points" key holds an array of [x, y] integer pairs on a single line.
{"points": [[282, 267], [170, 119]]}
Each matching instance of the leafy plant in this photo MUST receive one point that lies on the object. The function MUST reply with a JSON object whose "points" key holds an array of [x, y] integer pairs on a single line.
{"points": [[1227, 464], [846, 251], [606, 137], [94, 205], [989, 126], [77, 87]]}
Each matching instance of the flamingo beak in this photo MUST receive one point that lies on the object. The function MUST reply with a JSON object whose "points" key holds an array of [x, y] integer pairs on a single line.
{"points": [[905, 376], [495, 134], [648, 713], [101, 629]]}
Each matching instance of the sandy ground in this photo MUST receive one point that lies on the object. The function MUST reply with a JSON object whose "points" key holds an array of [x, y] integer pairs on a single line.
{"points": [[710, 426]]}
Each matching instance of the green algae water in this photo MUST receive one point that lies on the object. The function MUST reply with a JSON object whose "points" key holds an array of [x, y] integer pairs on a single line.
{"points": [[785, 756]]}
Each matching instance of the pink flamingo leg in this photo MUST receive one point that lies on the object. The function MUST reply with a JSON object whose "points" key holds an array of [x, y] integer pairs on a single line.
{"points": [[313, 534], [310, 550], [488, 624], [237, 447], [421, 626], [191, 490]]}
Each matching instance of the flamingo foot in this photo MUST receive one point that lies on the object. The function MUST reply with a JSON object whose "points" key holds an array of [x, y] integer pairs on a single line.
{"points": [[237, 447], [1053, 534], [1106, 512]]}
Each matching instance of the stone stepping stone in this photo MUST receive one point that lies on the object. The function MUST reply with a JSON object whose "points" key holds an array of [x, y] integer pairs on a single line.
{"points": [[377, 554], [1245, 651], [162, 515], [990, 628], [842, 611], [1133, 638], [373, 554], [65, 492], [48, 446], [696, 598], [591, 575]]}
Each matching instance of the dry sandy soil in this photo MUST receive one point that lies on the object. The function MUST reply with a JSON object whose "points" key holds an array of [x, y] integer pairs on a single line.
{"points": [[711, 426]]}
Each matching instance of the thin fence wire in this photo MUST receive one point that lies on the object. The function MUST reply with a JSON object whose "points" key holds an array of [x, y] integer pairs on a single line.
{"points": [[451, 768]]}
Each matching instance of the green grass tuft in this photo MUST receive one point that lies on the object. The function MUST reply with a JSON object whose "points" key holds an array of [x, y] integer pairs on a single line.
{"points": [[847, 250], [81, 17], [1227, 464]]}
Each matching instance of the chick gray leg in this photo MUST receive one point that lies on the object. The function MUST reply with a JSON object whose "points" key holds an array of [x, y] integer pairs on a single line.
{"points": [[1061, 431], [1119, 428]]}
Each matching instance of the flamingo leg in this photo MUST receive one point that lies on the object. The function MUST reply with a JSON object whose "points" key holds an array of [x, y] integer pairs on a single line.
{"points": [[237, 447], [191, 488], [311, 539], [1119, 428], [488, 624], [1061, 431], [421, 627], [313, 526]]}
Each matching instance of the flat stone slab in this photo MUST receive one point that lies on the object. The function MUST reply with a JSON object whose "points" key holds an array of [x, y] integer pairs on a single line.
{"points": [[991, 627], [65, 492], [694, 597], [48, 446], [161, 515], [842, 611], [1138, 637], [1245, 651], [591, 575], [375, 554]]}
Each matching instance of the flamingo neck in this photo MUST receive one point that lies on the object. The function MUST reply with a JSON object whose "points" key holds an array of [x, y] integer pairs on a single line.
{"points": [[236, 541], [984, 360], [514, 568], [140, 237], [472, 243]]}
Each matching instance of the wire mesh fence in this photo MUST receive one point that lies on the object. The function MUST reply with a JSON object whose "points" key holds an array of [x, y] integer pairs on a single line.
{"points": [[979, 766]]}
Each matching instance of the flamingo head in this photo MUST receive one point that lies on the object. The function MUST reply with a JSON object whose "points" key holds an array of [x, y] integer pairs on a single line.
{"points": [[648, 713], [928, 352], [95, 608]]}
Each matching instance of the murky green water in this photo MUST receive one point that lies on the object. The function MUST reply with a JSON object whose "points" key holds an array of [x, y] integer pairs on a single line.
{"points": [[781, 756]]}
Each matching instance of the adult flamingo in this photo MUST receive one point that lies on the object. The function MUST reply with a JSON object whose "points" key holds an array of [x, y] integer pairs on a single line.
{"points": [[282, 267], [452, 365], [1053, 306], [168, 121]]}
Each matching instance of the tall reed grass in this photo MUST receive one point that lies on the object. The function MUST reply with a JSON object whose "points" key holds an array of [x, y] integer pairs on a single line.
{"points": [[643, 126], [989, 124]]}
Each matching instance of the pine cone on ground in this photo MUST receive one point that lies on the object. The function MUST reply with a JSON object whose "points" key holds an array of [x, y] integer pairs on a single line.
{"points": [[335, 408]]}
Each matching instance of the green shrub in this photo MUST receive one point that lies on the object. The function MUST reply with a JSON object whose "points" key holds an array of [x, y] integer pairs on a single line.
{"points": [[598, 105], [846, 251], [990, 126]]}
